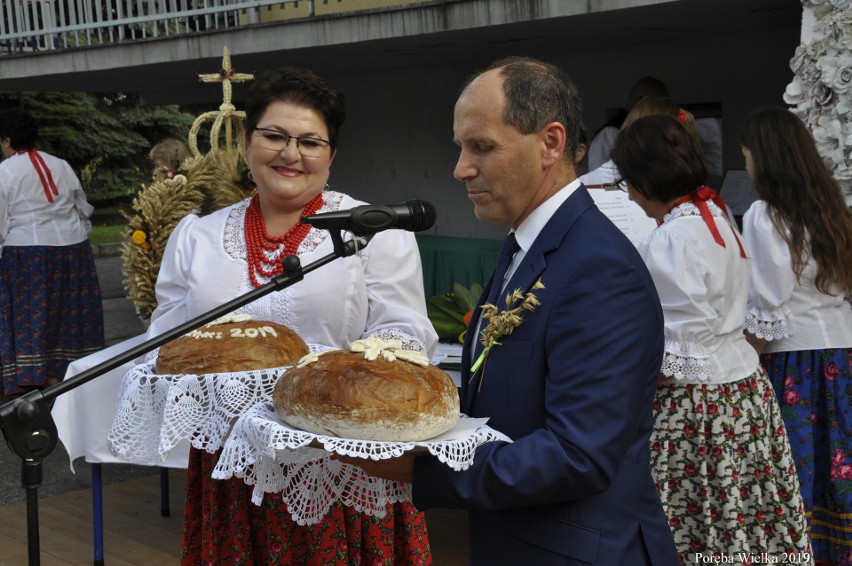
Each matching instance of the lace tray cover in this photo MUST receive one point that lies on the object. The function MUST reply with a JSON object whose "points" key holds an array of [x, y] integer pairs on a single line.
{"points": [[156, 412], [276, 458]]}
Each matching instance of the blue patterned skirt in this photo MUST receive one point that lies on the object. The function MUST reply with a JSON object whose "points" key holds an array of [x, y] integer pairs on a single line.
{"points": [[814, 389], [50, 313]]}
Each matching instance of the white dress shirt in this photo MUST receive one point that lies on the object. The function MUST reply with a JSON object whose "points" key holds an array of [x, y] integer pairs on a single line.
{"points": [[533, 224], [601, 146], [606, 173]]}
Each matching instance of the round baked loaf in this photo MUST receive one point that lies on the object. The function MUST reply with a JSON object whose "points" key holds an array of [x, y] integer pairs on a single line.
{"points": [[340, 393], [231, 346]]}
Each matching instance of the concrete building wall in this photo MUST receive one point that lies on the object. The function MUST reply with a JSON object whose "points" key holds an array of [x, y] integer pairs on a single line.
{"points": [[397, 142]]}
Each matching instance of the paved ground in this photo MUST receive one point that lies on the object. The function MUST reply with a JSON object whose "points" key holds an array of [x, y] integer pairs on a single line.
{"points": [[120, 323]]}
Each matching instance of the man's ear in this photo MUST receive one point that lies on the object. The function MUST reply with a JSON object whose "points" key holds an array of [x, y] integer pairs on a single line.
{"points": [[554, 138]]}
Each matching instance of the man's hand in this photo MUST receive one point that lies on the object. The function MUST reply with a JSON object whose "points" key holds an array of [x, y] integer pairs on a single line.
{"points": [[396, 469]]}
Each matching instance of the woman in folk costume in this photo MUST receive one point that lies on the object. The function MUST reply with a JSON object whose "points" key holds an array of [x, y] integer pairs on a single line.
{"points": [[50, 300], [720, 455], [293, 120], [799, 234]]}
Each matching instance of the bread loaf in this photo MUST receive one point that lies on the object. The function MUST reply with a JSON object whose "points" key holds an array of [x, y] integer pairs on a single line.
{"points": [[232, 344], [343, 393]]}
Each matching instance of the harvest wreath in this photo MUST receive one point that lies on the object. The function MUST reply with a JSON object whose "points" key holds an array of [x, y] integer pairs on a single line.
{"points": [[204, 184]]}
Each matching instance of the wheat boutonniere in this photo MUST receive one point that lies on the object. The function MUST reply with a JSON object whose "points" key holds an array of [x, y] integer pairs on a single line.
{"points": [[503, 322]]}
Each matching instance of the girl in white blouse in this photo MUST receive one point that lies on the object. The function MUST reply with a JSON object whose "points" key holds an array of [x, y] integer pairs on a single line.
{"points": [[720, 456], [800, 237]]}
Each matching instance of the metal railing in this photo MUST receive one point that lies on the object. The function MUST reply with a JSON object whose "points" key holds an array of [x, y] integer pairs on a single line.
{"points": [[37, 25]]}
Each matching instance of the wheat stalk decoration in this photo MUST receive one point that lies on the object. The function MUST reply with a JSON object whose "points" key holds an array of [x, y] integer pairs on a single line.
{"points": [[503, 322], [205, 183]]}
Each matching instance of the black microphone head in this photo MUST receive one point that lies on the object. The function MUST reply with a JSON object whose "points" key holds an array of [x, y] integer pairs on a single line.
{"points": [[423, 215]]}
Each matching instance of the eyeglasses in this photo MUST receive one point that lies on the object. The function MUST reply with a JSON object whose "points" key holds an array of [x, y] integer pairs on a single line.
{"points": [[278, 141], [619, 184]]}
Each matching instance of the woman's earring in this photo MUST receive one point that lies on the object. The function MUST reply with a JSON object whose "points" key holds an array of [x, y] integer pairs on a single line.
{"points": [[250, 184]]}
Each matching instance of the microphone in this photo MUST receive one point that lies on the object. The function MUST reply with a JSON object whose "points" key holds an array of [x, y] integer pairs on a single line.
{"points": [[367, 219]]}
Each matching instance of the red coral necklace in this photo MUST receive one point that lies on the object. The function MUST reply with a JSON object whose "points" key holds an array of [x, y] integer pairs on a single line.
{"points": [[259, 244]]}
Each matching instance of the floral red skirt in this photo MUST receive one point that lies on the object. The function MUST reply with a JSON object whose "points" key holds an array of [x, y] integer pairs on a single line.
{"points": [[222, 526], [725, 474]]}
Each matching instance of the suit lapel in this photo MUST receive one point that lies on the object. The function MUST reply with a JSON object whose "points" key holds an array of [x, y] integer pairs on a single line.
{"points": [[526, 274]]}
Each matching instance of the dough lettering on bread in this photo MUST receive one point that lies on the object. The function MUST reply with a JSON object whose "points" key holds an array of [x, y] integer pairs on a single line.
{"points": [[229, 344], [375, 392]]}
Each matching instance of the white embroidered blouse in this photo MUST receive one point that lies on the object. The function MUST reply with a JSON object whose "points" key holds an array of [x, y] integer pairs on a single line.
{"points": [[377, 292], [791, 315], [27, 218], [703, 288]]}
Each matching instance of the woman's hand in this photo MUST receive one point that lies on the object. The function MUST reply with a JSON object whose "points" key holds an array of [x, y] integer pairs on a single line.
{"points": [[400, 468], [757, 343]]}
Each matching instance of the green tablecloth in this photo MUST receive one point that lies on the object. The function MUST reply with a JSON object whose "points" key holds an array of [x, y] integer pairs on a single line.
{"points": [[450, 259]]}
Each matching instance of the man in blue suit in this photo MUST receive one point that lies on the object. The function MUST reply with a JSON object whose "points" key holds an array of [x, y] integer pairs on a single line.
{"points": [[574, 382]]}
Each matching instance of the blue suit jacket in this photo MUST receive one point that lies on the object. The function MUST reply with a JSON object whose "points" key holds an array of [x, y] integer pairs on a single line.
{"points": [[573, 386]]}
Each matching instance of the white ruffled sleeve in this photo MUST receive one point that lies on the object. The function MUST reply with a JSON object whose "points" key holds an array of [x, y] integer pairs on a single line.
{"points": [[172, 288], [773, 278], [394, 282], [679, 275]]}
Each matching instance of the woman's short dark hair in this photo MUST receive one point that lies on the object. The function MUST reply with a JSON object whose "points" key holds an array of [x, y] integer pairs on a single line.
{"points": [[20, 127], [297, 86], [660, 158]]}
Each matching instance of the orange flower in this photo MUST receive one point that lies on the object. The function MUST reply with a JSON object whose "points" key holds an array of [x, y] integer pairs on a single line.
{"points": [[467, 318], [139, 237]]}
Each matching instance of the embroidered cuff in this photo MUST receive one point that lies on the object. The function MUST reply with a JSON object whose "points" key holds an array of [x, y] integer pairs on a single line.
{"points": [[769, 324], [409, 342], [686, 361], [686, 367]]}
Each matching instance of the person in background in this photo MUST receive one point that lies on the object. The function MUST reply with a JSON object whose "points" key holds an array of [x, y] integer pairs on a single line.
{"points": [[607, 173], [293, 122], [572, 379], [799, 234], [720, 456], [604, 137], [50, 299], [167, 157], [582, 149]]}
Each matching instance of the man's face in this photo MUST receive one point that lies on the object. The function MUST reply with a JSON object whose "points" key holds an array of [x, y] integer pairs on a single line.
{"points": [[500, 166]]}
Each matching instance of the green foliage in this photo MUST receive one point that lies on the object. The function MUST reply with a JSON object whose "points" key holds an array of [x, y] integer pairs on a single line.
{"points": [[107, 234], [105, 137], [447, 312]]}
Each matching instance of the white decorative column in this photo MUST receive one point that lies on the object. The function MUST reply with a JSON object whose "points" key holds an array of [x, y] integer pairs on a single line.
{"points": [[821, 89]]}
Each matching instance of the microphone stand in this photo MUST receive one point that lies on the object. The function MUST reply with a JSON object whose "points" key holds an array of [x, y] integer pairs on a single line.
{"points": [[28, 426]]}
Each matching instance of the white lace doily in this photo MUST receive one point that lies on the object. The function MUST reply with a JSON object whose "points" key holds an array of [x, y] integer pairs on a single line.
{"points": [[276, 458], [155, 412]]}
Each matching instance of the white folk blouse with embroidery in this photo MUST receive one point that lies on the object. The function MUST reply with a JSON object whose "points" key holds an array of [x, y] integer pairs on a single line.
{"points": [[377, 292], [27, 218], [791, 315], [703, 288]]}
